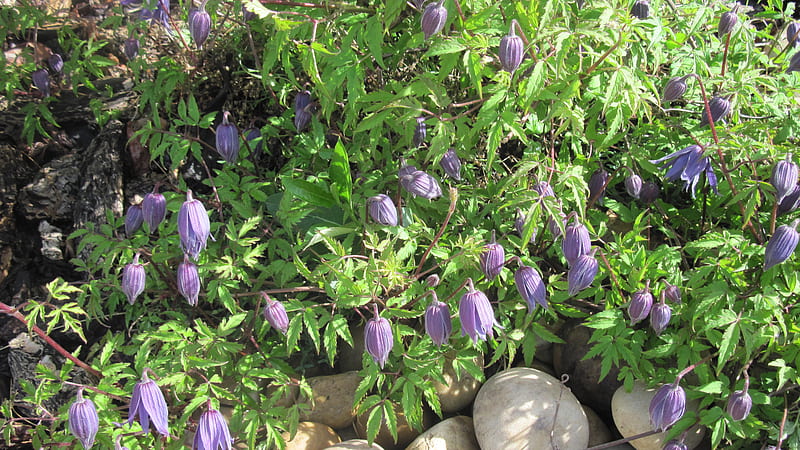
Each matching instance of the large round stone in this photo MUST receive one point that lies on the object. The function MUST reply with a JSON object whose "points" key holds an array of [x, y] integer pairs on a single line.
{"points": [[311, 436], [457, 392], [355, 444], [332, 399], [527, 408], [455, 433], [405, 433]]}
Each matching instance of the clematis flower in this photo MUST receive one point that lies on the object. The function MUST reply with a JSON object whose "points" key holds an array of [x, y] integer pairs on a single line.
{"points": [[148, 404], [476, 314], [687, 165], [667, 407], [437, 321], [212, 432], [275, 313], [378, 338], [194, 228], [83, 420]]}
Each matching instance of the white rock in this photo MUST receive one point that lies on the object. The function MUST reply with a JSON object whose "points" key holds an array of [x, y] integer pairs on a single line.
{"points": [[527, 408], [354, 444], [332, 399], [456, 393], [311, 436], [455, 433]]}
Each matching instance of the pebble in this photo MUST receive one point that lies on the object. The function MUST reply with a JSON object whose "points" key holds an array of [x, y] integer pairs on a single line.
{"points": [[332, 399], [455, 433]]}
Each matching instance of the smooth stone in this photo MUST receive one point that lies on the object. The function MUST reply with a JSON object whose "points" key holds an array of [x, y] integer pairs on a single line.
{"points": [[311, 436], [332, 399], [354, 444], [405, 433], [598, 430], [544, 349], [351, 357], [521, 407], [631, 412], [456, 393], [455, 433]]}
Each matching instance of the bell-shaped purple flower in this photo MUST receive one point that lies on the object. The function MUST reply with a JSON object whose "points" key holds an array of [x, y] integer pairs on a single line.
{"points": [[667, 406], [519, 225], [687, 165], [131, 48], [793, 34], [252, 135], [675, 445], [228, 139], [437, 322], [476, 314], [790, 202], [451, 164], [133, 219], [212, 432], [133, 279], [576, 241], [159, 14], [641, 9], [420, 132], [781, 245], [83, 420], [492, 259], [421, 184], [531, 287], [199, 25], [194, 228], [597, 185], [405, 169], [660, 316], [582, 273], [675, 88], [148, 404], [784, 177], [739, 404], [553, 224], [432, 281], [640, 305], [154, 209], [302, 110], [511, 50], [544, 189], [433, 18], [41, 79], [378, 338], [726, 23], [188, 280], [275, 313], [794, 63], [650, 192], [633, 185], [720, 107], [56, 63], [382, 210], [672, 293]]}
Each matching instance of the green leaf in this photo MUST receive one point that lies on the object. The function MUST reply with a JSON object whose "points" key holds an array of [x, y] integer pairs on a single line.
{"points": [[340, 172], [308, 192], [727, 345], [374, 422]]}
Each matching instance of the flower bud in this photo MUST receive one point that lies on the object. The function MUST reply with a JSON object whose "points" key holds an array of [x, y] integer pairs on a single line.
{"points": [[199, 25], [672, 293], [790, 202], [437, 322], [275, 313], [41, 79], [451, 164], [406, 169], [228, 139], [421, 184], [493, 259], [420, 132], [194, 228], [519, 225], [148, 403], [212, 431], [56, 63], [582, 273], [641, 9], [553, 224], [188, 281], [382, 210], [640, 305], [544, 189], [302, 110], [739, 405], [378, 339], [253, 134], [633, 185], [659, 317], [433, 18], [793, 34], [781, 245], [675, 88], [649, 193], [597, 185], [675, 445], [432, 281], [576, 241], [154, 209], [667, 406], [720, 107], [784, 177], [476, 315], [531, 288], [133, 279], [794, 63], [726, 23], [247, 15], [511, 50], [133, 219], [83, 420], [131, 48]]}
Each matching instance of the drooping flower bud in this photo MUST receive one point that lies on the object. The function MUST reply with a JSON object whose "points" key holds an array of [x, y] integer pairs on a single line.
{"points": [[437, 322], [793, 34], [781, 245], [405, 169], [633, 185], [531, 287], [794, 63], [147, 402], [131, 48], [194, 228], [133, 219], [511, 50], [421, 184], [154, 209], [492, 259], [640, 305], [784, 177], [83, 420], [519, 225], [476, 314], [228, 139], [133, 279], [720, 107], [672, 293], [41, 79], [726, 22], [275, 313], [302, 110], [212, 432], [420, 132], [739, 405], [252, 135], [188, 280], [582, 273], [432, 281], [660, 316], [553, 224], [199, 25], [382, 210], [675, 88], [56, 63], [597, 185], [675, 445], [544, 189], [667, 406], [433, 18], [649, 193], [576, 241], [451, 164], [378, 338], [641, 9], [790, 202]]}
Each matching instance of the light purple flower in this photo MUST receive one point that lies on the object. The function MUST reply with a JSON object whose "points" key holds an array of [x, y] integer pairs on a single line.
{"points": [[687, 165], [437, 322], [378, 338], [194, 227], [511, 49], [476, 314], [739, 404], [492, 259], [227, 139], [188, 280], [577, 241], [582, 273], [212, 432], [133, 279], [433, 18], [382, 210], [531, 287], [199, 25], [781, 245], [667, 406], [154, 209], [83, 420], [133, 219], [149, 405], [421, 184], [640, 305], [275, 313], [451, 164]]}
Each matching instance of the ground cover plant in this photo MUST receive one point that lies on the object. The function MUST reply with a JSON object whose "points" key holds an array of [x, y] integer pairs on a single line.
{"points": [[452, 177]]}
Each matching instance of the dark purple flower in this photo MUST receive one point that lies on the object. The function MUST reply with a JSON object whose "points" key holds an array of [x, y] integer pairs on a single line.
{"points": [[720, 108], [247, 15], [437, 322], [212, 432], [633, 185], [251, 135], [131, 48], [660, 316], [553, 224], [726, 23], [544, 189], [56, 63], [781, 245], [784, 177], [597, 185], [667, 406], [302, 110], [433, 18], [159, 13], [672, 293], [675, 88], [382, 210], [421, 184], [687, 165], [641, 9], [519, 225], [451, 164], [228, 139], [147, 402], [154, 209], [493, 259], [582, 273], [188, 280], [133, 219], [576, 241], [511, 50], [420, 132], [133, 279], [194, 228], [649, 193], [531, 287], [790, 202], [675, 445], [378, 338], [640, 305], [275, 313], [793, 34], [794, 63], [83, 420], [475, 312], [41, 79], [199, 25], [739, 405], [432, 281]]}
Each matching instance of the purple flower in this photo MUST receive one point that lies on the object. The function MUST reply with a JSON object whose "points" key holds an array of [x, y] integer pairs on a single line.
{"points": [[511, 50], [576, 241], [781, 245], [378, 339], [660, 316], [147, 402], [492, 259], [739, 405], [194, 227], [720, 107], [791, 202], [433, 18], [675, 88], [641, 9], [633, 185], [726, 22], [199, 25], [420, 131], [582, 273], [675, 445], [672, 293], [597, 185], [432, 281], [552, 224], [188, 281], [544, 189], [212, 432], [154, 209], [784, 177], [253, 134], [275, 313], [531, 287], [133, 279], [302, 110], [794, 63], [650, 192], [56, 63], [667, 406], [131, 48], [382, 210], [519, 225], [228, 139], [83, 420], [133, 219], [405, 169], [41, 79], [437, 322], [475, 312], [159, 13], [793, 34], [687, 165], [640, 305], [421, 184], [451, 164]]}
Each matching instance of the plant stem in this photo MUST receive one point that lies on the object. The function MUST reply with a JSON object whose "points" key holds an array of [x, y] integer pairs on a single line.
{"points": [[725, 54], [450, 211]]}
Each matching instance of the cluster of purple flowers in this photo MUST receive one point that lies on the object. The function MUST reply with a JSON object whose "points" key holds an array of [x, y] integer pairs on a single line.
{"points": [[642, 305]]}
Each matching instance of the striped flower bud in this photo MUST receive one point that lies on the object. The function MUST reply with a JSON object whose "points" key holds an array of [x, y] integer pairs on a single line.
{"points": [[672, 293], [667, 406], [519, 225], [597, 185], [212, 431], [782, 244], [432, 281], [302, 110], [437, 322], [254, 135], [794, 63], [675, 445], [56, 63], [194, 228], [131, 48], [582, 273], [784, 177], [451, 164], [553, 224], [154, 209], [511, 50], [476, 314], [720, 107], [544, 189], [199, 25], [382, 210], [793, 34], [531, 287], [148, 404], [739, 404], [41, 79], [433, 18], [576, 241], [641, 304], [275, 313], [405, 169], [675, 88], [83, 420], [188, 281], [133, 219], [492, 259], [378, 338], [633, 185], [641, 9], [133, 279], [421, 184], [726, 22], [790, 202], [660, 316], [649, 193], [228, 139], [420, 132]]}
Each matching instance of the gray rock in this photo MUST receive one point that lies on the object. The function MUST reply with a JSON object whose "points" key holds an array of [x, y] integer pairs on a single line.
{"points": [[332, 399], [455, 433], [52, 241], [311, 436], [457, 391], [53, 193], [355, 444]]}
